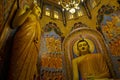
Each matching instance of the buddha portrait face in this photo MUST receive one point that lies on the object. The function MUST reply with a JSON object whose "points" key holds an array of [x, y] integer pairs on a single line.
{"points": [[83, 46]]}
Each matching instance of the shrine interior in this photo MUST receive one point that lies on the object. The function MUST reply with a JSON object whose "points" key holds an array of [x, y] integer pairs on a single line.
{"points": [[59, 39]]}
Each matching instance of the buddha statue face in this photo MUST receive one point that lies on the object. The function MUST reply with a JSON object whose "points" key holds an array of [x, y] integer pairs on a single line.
{"points": [[36, 10], [83, 46]]}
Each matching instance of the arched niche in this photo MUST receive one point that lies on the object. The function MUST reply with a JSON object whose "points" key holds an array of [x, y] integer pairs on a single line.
{"points": [[86, 33]]}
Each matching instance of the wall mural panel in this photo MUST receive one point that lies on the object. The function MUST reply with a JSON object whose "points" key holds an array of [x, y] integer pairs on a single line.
{"points": [[111, 30], [109, 26], [51, 56]]}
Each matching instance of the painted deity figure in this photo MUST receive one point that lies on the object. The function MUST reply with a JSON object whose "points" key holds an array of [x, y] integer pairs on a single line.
{"points": [[26, 44], [88, 64]]}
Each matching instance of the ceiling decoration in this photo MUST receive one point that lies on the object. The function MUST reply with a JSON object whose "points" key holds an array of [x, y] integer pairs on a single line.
{"points": [[70, 5]]}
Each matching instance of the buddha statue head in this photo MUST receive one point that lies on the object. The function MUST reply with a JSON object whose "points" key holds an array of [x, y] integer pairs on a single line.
{"points": [[36, 10], [83, 47]]}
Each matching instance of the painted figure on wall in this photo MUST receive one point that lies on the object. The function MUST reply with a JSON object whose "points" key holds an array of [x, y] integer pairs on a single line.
{"points": [[89, 65], [26, 44], [111, 30], [109, 25]]}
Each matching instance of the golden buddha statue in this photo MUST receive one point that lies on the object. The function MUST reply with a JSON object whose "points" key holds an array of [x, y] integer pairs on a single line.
{"points": [[26, 44], [89, 65]]}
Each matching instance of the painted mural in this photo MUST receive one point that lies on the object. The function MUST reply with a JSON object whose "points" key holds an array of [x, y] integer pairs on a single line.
{"points": [[109, 26], [111, 30], [51, 55]]}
